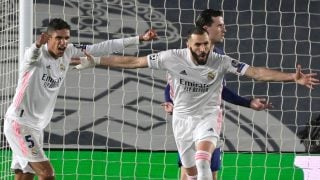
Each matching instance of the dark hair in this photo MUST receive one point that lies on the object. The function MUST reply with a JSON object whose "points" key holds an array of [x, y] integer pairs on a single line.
{"points": [[57, 24], [196, 30], [205, 17]]}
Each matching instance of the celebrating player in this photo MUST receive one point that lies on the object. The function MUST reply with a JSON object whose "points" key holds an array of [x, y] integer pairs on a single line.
{"points": [[45, 65], [213, 22], [197, 74]]}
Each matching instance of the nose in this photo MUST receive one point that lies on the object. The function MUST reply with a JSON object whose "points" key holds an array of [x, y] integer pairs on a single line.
{"points": [[64, 42], [202, 48]]}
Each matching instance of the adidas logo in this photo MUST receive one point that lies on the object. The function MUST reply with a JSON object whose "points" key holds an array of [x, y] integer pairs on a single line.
{"points": [[48, 67], [183, 72], [210, 129]]}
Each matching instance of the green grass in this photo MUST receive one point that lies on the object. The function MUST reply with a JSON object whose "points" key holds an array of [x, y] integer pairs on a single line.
{"points": [[100, 165]]}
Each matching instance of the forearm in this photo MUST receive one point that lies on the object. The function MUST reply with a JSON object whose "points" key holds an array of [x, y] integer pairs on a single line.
{"points": [[264, 74], [167, 97], [33, 53], [234, 98], [128, 62], [111, 46]]}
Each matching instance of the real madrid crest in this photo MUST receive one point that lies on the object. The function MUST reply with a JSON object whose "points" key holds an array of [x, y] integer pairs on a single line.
{"points": [[211, 75], [62, 67]]}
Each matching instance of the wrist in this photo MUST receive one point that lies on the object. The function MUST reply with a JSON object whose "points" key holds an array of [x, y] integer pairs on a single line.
{"points": [[140, 38], [248, 102]]}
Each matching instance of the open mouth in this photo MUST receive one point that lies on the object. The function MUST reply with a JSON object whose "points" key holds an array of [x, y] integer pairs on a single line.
{"points": [[61, 49], [202, 55]]}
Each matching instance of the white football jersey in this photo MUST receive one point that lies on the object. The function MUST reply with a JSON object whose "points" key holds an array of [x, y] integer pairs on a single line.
{"points": [[41, 77], [197, 88]]}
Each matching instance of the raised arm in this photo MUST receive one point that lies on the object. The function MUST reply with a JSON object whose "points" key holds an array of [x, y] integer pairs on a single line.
{"points": [[265, 74], [33, 53], [115, 45]]}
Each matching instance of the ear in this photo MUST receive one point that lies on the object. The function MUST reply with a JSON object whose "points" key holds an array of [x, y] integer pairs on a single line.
{"points": [[205, 27]]}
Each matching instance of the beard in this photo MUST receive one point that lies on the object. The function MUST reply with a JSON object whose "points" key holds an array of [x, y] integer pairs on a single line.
{"points": [[196, 57]]}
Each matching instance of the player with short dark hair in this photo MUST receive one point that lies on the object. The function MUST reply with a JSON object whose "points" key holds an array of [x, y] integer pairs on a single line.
{"points": [[197, 74], [212, 21], [44, 69]]}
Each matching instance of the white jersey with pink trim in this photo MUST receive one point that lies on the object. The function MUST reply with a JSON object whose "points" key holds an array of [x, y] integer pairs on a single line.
{"points": [[41, 77], [197, 88]]}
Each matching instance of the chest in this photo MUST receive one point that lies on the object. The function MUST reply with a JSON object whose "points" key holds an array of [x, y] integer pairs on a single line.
{"points": [[203, 74], [54, 68]]}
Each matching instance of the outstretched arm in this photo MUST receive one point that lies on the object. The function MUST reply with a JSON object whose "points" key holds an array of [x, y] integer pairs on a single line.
{"points": [[265, 74], [115, 45], [127, 62]]}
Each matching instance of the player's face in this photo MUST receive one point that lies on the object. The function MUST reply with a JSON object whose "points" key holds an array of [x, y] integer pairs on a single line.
{"points": [[217, 30], [200, 47], [58, 42]]}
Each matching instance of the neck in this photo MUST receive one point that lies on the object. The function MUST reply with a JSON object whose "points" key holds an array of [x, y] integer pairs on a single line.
{"points": [[53, 55]]}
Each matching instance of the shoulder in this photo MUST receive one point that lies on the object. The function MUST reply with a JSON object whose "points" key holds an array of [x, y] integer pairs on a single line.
{"points": [[74, 46], [176, 52], [218, 51], [74, 50], [173, 54]]}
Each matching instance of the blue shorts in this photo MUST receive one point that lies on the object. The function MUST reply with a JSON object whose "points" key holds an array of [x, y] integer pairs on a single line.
{"points": [[215, 160]]}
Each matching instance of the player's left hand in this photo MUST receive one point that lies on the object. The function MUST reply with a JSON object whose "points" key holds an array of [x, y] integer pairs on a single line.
{"points": [[149, 35], [260, 104], [306, 79], [85, 62]]}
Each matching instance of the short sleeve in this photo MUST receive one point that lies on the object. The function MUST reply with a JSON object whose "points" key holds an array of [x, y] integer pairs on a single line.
{"points": [[166, 60], [235, 66], [153, 60]]}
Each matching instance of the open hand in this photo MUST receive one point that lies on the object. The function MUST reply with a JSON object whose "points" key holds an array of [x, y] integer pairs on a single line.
{"points": [[260, 104], [306, 79], [85, 62]]}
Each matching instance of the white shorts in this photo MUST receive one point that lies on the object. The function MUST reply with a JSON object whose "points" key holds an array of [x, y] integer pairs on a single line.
{"points": [[26, 144], [189, 130]]}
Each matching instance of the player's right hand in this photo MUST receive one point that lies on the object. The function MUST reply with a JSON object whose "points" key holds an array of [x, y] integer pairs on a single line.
{"points": [[42, 39]]}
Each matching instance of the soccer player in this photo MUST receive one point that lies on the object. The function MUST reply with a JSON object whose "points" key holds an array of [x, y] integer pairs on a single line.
{"points": [[197, 74], [212, 21], [44, 68], [229, 96]]}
